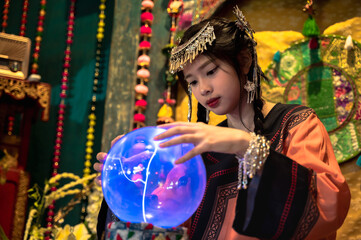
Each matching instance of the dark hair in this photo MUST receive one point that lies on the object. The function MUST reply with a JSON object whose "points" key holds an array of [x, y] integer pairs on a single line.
{"points": [[229, 42]]}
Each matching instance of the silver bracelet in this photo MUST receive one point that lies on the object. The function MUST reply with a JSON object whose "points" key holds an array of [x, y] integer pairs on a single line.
{"points": [[253, 159]]}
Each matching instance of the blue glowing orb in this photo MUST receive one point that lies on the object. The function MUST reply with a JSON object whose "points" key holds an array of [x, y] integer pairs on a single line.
{"points": [[141, 183]]}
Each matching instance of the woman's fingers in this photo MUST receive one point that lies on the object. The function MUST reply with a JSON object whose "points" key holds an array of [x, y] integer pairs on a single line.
{"points": [[98, 167], [186, 138], [115, 140], [179, 130], [189, 155], [101, 156], [98, 180], [170, 125]]}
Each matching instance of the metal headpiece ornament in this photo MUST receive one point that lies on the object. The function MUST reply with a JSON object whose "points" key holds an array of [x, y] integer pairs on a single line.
{"points": [[188, 51], [244, 25]]}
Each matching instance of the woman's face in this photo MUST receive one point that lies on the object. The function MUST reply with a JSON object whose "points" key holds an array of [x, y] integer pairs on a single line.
{"points": [[215, 84]]}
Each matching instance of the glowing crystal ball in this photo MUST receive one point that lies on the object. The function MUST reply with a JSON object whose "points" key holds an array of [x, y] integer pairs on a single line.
{"points": [[141, 183]]}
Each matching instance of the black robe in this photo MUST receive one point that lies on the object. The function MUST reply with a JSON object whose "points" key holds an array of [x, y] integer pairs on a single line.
{"points": [[280, 202]]}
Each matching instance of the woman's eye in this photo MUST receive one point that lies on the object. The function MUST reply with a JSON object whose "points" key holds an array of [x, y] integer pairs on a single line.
{"points": [[211, 72], [192, 83]]}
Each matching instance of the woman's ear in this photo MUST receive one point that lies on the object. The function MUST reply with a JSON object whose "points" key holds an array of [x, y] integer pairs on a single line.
{"points": [[244, 58]]}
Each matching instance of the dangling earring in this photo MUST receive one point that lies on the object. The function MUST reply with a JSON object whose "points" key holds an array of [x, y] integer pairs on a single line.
{"points": [[251, 89], [189, 116], [244, 26], [207, 115]]}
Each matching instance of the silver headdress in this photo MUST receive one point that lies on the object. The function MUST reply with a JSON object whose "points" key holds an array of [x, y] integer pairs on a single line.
{"points": [[244, 25], [188, 51]]}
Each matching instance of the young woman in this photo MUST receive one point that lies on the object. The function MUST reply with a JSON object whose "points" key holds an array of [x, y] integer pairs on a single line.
{"points": [[271, 170]]}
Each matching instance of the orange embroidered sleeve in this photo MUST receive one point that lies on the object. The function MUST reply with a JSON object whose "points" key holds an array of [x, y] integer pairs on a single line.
{"points": [[309, 145]]}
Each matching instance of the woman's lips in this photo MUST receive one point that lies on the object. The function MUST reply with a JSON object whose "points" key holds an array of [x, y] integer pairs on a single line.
{"points": [[213, 102]]}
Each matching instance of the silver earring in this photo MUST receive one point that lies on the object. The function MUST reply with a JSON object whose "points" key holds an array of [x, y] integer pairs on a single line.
{"points": [[251, 89], [207, 115], [189, 93], [250, 86]]}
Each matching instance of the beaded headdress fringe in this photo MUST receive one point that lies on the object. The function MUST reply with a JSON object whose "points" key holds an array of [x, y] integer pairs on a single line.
{"points": [[189, 50], [244, 25]]}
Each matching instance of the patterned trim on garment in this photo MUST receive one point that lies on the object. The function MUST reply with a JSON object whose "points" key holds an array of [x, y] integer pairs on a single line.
{"points": [[211, 158], [287, 115], [224, 193], [310, 216], [143, 231], [292, 121], [287, 207], [199, 210]]}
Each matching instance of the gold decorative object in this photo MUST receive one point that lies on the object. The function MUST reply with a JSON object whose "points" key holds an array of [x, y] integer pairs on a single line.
{"points": [[20, 206], [7, 162], [21, 179], [43, 198], [20, 89]]}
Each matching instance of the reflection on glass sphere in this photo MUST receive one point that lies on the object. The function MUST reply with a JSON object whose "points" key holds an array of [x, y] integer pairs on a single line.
{"points": [[141, 183]]}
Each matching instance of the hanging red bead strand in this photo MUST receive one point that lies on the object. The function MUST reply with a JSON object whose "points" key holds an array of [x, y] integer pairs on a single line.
{"points": [[24, 17], [143, 74], [165, 113], [38, 38], [4, 24], [11, 118], [10, 124], [61, 111]]}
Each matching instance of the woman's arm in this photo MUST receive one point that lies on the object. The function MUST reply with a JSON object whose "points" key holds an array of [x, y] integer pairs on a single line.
{"points": [[300, 192], [309, 145]]}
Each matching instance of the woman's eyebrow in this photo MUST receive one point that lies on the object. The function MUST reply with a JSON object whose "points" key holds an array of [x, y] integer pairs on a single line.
{"points": [[205, 64]]}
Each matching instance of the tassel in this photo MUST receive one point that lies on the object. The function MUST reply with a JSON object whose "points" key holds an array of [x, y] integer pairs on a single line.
{"points": [[348, 43], [313, 43], [277, 57], [71, 236], [165, 111], [310, 28], [359, 161]]}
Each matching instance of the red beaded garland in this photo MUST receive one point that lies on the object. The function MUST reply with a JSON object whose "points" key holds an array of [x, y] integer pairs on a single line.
{"points": [[141, 89], [10, 124], [5, 15], [24, 16], [174, 9], [62, 106], [38, 38]]}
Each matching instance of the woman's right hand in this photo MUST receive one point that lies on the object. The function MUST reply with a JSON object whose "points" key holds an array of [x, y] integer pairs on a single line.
{"points": [[101, 156]]}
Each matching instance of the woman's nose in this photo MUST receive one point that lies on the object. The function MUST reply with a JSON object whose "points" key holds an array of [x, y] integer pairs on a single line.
{"points": [[206, 89]]}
